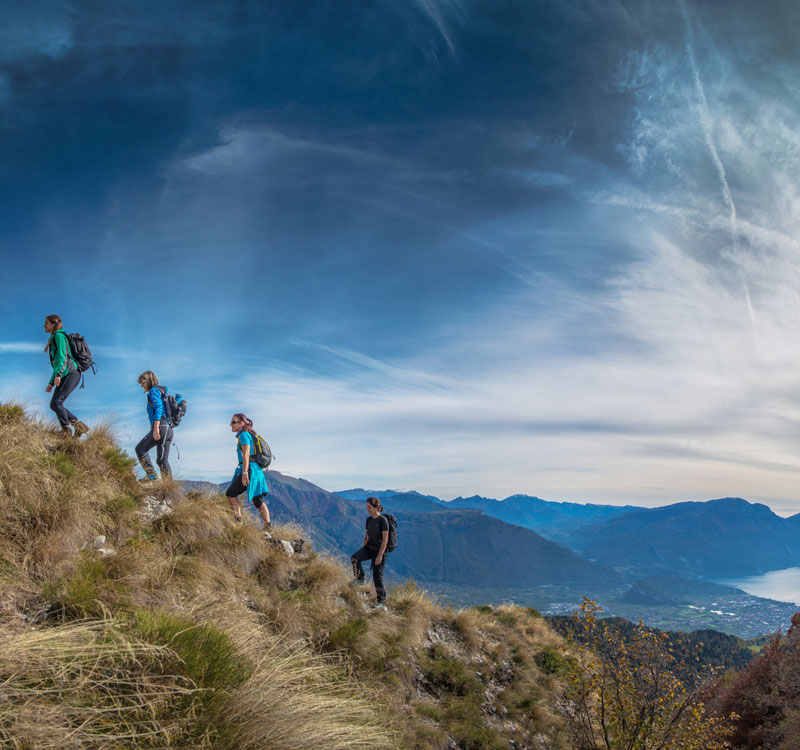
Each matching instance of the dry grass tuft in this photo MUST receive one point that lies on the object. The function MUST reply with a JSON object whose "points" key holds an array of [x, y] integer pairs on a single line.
{"points": [[85, 685]]}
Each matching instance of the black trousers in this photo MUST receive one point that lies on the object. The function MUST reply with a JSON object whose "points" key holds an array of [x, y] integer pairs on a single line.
{"points": [[365, 553], [69, 383], [236, 488], [148, 442]]}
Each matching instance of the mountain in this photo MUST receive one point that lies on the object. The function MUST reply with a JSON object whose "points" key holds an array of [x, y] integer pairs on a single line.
{"points": [[437, 544], [553, 520], [360, 494], [719, 538], [671, 590], [412, 501]]}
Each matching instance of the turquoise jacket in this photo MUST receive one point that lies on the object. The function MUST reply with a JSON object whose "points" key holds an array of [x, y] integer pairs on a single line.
{"points": [[258, 479], [60, 355]]}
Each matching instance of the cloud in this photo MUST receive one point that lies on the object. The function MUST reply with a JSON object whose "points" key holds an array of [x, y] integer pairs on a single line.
{"points": [[20, 347]]}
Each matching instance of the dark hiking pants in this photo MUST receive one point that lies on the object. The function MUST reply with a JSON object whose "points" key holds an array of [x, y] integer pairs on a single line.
{"points": [[147, 443], [68, 384], [365, 553]]}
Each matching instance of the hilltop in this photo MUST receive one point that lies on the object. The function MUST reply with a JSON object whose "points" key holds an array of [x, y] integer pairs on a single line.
{"points": [[144, 617]]}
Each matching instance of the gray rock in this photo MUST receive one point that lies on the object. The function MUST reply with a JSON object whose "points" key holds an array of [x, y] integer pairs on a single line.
{"points": [[99, 542], [152, 508]]}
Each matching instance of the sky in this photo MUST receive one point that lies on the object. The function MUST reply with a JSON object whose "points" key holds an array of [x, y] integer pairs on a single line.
{"points": [[458, 246]]}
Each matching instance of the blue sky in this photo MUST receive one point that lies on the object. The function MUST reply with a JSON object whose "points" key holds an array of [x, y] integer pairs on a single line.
{"points": [[458, 246]]}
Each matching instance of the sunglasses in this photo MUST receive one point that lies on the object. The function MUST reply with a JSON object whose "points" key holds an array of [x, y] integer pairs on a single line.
{"points": [[236, 421]]}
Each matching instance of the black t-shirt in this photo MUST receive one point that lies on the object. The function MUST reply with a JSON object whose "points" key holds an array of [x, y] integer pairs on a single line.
{"points": [[375, 529]]}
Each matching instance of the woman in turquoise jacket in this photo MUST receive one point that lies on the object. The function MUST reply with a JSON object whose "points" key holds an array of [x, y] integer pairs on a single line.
{"points": [[249, 476], [65, 376]]}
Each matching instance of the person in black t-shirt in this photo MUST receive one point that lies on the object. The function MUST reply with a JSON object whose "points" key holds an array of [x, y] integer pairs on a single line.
{"points": [[374, 549]]}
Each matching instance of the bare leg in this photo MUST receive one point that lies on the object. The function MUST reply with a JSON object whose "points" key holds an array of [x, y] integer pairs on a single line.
{"points": [[236, 506], [263, 510]]}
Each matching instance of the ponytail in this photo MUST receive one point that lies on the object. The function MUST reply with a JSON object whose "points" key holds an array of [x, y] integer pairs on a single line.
{"points": [[247, 424], [375, 503], [56, 321]]}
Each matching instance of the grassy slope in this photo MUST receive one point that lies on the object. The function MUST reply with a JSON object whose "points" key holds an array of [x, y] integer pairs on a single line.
{"points": [[197, 633]]}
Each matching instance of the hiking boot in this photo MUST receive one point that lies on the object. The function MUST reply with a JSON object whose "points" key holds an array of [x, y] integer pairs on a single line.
{"points": [[237, 519], [379, 605], [148, 478], [66, 430], [358, 581], [81, 428], [267, 526]]}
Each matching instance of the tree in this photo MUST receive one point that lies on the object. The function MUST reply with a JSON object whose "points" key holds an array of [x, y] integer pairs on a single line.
{"points": [[626, 693]]}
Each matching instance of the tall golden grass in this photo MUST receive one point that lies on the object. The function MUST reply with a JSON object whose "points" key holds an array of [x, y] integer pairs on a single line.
{"points": [[197, 633]]}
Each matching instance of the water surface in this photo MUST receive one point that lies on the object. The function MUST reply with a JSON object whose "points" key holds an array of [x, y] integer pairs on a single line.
{"points": [[783, 585]]}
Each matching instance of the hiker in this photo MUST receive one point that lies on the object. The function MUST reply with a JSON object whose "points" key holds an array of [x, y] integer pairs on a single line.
{"points": [[249, 476], [376, 540], [160, 434], [65, 377]]}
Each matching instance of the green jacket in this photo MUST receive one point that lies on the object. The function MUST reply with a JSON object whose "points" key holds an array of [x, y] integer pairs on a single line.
{"points": [[60, 356]]}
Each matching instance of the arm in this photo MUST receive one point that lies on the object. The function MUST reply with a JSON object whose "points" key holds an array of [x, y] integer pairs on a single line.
{"points": [[154, 396], [384, 542], [245, 464], [60, 358]]}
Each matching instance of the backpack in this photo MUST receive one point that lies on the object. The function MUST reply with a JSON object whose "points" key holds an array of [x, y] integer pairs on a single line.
{"points": [[392, 545], [80, 352], [174, 406], [262, 453]]}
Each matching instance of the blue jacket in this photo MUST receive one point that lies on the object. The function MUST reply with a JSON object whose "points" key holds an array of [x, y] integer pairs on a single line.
{"points": [[155, 406]]}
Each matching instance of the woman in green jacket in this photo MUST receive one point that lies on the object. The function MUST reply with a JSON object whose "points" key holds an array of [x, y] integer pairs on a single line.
{"points": [[65, 377]]}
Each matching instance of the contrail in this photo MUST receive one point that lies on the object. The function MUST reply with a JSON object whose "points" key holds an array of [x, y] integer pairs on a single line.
{"points": [[433, 12], [707, 125]]}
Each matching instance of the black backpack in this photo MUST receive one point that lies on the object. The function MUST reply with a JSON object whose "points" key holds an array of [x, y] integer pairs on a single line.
{"points": [[392, 545], [174, 406], [80, 352], [262, 453]]}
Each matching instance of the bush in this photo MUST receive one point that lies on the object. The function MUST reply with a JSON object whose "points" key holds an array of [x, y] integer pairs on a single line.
{"points": [[11, 413], [552, 662], [450, 674], [346, 636]]}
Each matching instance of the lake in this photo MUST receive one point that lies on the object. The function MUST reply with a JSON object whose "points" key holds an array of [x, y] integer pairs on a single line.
{"points": [[783, 585]]}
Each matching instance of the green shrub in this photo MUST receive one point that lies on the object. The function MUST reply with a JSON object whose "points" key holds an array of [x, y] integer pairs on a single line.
{"points": [[119, 461], [552, 662], [121, 504], [484, 608], [450, 674], [533, 612], [81, 594], [63, 464], [506, 618], [345, 636], [11, 413], [204, 653]]}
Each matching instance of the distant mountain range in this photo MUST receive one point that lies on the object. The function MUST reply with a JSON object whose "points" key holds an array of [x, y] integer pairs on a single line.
{"points": [[728, 537], [638, 562], [552, 520], [437, 544], [720, 538]]}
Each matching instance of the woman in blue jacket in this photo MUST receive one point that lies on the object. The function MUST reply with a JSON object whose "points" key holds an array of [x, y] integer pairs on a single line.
{"points": [[160, 434], [65, 377], [249, 476]]}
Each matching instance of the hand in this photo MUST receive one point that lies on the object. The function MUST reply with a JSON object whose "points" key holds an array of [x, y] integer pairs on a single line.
{"points": [[57, 381], [49, 388], [156, 432], [379, 559], [245, 478]]}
